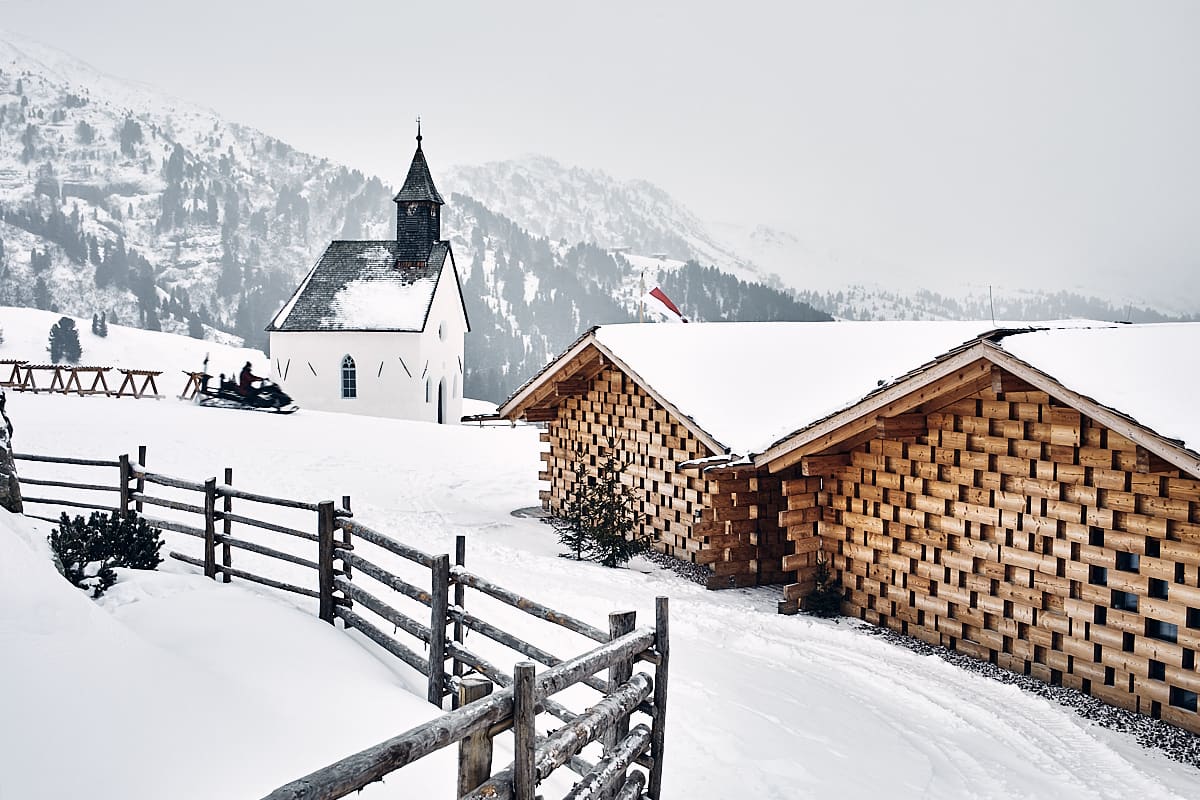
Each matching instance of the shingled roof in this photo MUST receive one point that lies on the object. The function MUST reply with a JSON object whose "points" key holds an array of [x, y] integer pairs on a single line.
{"points": [[357, 286], [419, 183]]}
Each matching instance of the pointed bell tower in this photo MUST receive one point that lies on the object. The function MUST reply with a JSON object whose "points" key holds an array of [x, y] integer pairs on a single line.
{"points": [[418, 212]]}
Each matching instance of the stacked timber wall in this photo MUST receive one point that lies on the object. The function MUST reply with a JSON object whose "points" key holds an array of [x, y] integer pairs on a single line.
{"points": [[744, 543], [1017, 531], [649, 440]]}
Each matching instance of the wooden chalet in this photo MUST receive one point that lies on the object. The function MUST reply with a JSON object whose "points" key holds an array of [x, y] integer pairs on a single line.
{"points": [[686, 405], [1030, 498]]}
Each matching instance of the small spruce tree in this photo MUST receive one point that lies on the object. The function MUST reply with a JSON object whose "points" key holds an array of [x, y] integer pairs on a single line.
{"points": [[597, 519], [571, 522], [825, 600]]}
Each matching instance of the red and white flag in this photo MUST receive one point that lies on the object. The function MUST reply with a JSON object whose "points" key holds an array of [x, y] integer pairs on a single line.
{"points": [[657, 302]]}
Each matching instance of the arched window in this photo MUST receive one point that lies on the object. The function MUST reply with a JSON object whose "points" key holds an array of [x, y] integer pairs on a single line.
{"points": [[429, 390], [349, 378]]}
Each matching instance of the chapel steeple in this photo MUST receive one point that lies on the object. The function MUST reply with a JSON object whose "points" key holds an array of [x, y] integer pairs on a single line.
{"points": [[418, 210]]}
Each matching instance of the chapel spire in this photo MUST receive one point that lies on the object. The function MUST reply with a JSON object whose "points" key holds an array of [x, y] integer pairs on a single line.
{"points": [[418, 209]]}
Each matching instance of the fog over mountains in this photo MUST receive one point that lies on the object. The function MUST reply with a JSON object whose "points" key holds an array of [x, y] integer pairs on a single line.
{"points": [[117, 198]]}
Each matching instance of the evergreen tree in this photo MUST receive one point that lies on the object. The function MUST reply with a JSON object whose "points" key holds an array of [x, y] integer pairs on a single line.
{"points": [[571, 521], [825, 600], [41, 294], [597, 520], [64, 342], [102, 327], [195, 327], [95, 325]]}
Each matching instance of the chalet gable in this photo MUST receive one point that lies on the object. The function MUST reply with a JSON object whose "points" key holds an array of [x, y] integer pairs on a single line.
{"points": [[1146, 387]]}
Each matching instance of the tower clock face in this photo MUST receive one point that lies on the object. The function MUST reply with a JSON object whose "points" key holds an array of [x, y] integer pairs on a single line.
{"points": [[412, 209]]}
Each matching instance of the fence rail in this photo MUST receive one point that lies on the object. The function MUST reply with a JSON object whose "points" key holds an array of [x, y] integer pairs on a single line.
{"points": [[425, 637]]}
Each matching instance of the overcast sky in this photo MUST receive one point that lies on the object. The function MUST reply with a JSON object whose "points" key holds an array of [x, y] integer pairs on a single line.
{"points": [[1023, 135]]}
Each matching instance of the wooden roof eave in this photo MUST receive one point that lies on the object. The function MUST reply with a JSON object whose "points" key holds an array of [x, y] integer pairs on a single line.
{"points": [[960, 373], [540, 390], [704, 437], [1168, 450], [541, 386], [965, 369]]}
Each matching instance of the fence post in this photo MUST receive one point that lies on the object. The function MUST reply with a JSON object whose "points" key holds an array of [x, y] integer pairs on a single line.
{"points": [[325, 531], [619, 624], [524, 734], [659, 726], [227, 528], [123, 483], [460, 600], [438, 601], [210, 528], [475, 751], [141, 480], [346, 541]]}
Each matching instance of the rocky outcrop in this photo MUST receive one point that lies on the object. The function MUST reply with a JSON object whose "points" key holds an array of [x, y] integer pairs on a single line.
{"points": [[10, 487]]}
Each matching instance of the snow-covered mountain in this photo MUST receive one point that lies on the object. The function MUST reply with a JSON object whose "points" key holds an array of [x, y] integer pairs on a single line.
{"points": [[572, 204], [116, 198]]}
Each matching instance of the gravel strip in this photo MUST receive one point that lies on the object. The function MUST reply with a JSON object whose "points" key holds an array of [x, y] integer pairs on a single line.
{"points": [[696, 573], [1153, 734]]}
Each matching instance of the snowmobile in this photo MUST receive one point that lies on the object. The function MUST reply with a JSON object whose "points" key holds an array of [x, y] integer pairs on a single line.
{"points": [[267, 396]]}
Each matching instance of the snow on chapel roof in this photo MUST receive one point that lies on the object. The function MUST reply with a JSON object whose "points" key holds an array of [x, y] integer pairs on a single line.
{"points": [[357, 286]]}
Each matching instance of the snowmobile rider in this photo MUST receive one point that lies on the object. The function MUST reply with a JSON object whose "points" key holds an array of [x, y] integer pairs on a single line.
{"points": [[246, 381]]}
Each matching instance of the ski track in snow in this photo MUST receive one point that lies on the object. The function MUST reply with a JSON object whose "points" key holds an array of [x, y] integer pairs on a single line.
{"points": [[761, 705]]}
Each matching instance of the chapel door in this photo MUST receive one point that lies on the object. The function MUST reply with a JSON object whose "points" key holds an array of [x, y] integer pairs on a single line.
{"points": [[442, 402]]}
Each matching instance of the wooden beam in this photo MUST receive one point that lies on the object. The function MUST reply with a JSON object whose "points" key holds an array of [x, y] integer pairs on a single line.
{"points": [[819, 466], [960, 372], [901, 426], [569, 388], [541, 414]]}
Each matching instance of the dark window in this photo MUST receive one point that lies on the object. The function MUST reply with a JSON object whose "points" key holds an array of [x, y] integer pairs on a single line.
{"points": [[1159, 589], [1110, 676], [1165, 631], [1096, 537], [1128, 562], [349, 378], [1189, 659], [1127, 643], [1158, 670], [1193, 617], [1124, 601], [1101, 615], [1152, 547], [1182, 698], [1098, 575]]}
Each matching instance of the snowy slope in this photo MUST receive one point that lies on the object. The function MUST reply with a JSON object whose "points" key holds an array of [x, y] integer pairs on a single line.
{"points": [[26, 331], [762, 705], [121, 698]]}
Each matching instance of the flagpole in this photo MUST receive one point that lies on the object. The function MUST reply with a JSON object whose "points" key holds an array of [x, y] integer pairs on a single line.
{"points": [[642, 297]]}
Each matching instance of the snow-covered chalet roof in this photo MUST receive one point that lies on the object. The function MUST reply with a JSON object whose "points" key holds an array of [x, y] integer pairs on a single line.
{"points": [[743, 385], [1132, 378], [358, 286]]}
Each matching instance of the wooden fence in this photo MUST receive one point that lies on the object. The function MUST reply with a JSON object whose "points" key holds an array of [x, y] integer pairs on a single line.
{"points": [[358, 580]]}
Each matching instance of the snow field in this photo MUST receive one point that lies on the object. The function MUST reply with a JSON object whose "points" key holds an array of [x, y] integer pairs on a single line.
{"points": [[761, 705]]}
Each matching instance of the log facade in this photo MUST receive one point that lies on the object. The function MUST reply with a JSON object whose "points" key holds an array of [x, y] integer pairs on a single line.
{"points": [[1011, 527], [724, 518]]}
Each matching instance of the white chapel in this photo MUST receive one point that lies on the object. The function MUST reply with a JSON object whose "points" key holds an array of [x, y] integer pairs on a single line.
{"points": [[377, 327]]}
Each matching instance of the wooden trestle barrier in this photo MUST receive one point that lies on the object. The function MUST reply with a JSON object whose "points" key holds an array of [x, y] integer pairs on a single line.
{"points": [[66, 379], [361, 553]]}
